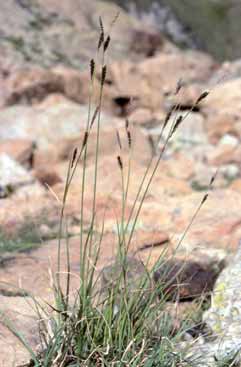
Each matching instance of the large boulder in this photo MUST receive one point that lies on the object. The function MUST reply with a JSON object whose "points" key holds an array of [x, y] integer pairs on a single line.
{"points": [[48, 32]]}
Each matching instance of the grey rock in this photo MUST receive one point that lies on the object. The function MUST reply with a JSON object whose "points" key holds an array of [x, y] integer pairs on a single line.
{"points": [[189, 134], [47, 33], [12, 174], [45, 125], [223, 318]]}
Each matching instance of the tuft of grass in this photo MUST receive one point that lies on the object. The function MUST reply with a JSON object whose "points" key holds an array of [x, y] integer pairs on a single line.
{"points": [[124, 325]]}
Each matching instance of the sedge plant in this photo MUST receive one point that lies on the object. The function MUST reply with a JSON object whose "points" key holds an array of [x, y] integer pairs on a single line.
{"points": [[120, 325]]}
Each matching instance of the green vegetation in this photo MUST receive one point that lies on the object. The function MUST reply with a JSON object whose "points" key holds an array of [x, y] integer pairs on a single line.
{"points": [[26, 238]]}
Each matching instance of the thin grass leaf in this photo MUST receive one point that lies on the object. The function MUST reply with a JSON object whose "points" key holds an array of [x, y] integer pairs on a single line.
{"points": [[94, 116]]}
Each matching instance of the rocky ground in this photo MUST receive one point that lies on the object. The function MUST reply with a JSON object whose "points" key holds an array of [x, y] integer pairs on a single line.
{"points": [[44, 107]]}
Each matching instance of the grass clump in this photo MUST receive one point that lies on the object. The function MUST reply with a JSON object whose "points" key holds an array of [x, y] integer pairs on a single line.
{"points": [[122, 323]]}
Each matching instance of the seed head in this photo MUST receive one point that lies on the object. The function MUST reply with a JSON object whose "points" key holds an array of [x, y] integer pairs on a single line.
{"points": [[103, 75], [92, 68], [120, 163], [106, 43], [202, 96]]}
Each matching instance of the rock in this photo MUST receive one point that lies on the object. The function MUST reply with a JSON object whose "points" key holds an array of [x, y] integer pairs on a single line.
{"points": [[221, 154], [236, 185], [185, 280], [179, 165], [51, 124], [21, 311], [14, 177], [185, 316], [62, 27], [230, 140], [147, 42], [141, 117], [137, 279], [212, 227], [149, 83], [141, 149], [222, 316], [214, 23], [223, 319], [47, 176], [20, 219], [224, 100], [190, 133], [20, 150], [228, 70], [33, 84], [203, 174], [219, 124], [230, 172]]}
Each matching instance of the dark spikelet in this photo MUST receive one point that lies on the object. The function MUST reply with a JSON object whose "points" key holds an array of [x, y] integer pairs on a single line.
{"points": [[101, 40], [101, 25], [74, 156], [127, 124], [129, 138], [118, 139], [114, 19], [94, 116], [202, 96], [213, 178], [86, 135], [167, 118], [119, 160], [103, 75], [92, 68], [177, 123], [102, 33], [204, 199], [179, 86], [106, 43]]}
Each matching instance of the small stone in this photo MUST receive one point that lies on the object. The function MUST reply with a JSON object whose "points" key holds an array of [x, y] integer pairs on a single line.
{"points": [[12, 175], [184, 280], [230, 140], [230, 171]]}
